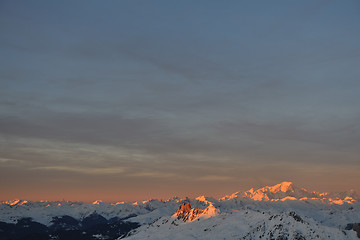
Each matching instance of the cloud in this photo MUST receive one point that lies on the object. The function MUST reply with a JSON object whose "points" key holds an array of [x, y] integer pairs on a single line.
{"points": [[215, 178], [9, 160], [336, 135], [83, 170], [159, 174], [85, 128]]}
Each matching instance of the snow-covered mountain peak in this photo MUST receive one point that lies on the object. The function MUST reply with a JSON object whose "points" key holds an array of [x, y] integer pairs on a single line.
{"points": [[281, 211], [15, 202], [281, 191], [283, 187], [201, 199], [288, 191], [206, 200], [97, 202], [210, 211], [174, 199], [267, 193]]}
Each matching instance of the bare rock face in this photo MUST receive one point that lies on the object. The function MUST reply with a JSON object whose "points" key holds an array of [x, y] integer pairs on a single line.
{"points": [[186, 212], [184, 208], [356, 228]]}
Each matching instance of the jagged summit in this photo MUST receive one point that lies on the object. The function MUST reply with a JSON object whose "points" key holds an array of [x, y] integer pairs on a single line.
{"points": [[184, 211], [187, 213]]}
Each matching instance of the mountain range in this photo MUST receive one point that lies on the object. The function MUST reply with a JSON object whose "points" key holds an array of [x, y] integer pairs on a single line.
{"points": [[282, 211]]}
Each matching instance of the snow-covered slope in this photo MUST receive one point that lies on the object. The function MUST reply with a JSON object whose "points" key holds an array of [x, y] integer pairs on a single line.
{"points": [[43, 212], [242, 224], [282, 211]]}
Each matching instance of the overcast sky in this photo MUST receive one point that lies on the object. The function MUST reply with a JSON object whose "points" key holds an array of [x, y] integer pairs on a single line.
{"points": [[129, 100]]}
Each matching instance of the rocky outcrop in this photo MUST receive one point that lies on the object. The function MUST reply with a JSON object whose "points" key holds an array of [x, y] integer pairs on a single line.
{"points": [[187, 213], [355, 227]]}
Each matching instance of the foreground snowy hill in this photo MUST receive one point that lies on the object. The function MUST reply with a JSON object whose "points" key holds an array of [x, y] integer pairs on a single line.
{"points": [[243, 224], [283, 211]]}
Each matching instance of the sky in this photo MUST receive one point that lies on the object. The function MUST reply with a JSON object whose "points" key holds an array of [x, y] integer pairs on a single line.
{"points": [[132, 100]]}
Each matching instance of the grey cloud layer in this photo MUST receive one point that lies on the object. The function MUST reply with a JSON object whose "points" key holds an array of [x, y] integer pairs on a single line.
{"points": [[214, 92]]}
